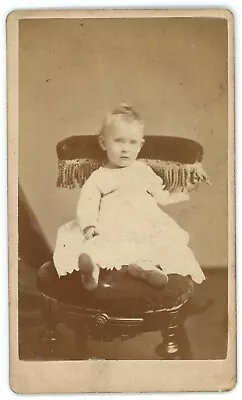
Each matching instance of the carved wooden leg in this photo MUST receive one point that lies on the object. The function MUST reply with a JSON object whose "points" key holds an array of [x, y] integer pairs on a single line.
{"points": [[170, 339], [49, 336], [175, 344], [169, 348]]}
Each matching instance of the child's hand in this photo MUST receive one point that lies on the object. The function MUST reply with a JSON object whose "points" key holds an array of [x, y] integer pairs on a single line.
{"points": [[90, 232], [192, 185]]}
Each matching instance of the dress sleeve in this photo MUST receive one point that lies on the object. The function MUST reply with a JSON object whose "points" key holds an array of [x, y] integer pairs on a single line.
{"points": [[161, 195], [87, 211]]}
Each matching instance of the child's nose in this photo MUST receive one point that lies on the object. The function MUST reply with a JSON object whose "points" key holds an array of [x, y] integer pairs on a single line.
{"points": [[125, 147]]}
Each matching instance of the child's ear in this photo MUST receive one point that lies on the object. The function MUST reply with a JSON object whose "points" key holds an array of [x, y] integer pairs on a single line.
{"points": [[101, 141]]}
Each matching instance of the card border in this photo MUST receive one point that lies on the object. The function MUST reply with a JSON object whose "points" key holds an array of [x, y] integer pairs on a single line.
{"points": [[114, 375]]}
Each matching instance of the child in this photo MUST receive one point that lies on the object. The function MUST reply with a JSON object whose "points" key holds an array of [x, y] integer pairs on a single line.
{"points": [[119, 219]]}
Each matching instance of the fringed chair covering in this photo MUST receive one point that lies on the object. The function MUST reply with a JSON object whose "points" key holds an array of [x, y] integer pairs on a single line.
{"points": [[177, 161]]}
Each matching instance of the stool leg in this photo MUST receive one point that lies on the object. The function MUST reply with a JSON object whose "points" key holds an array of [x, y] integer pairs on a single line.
{"points": [[50, 334], [170, 339], [169, 348]]}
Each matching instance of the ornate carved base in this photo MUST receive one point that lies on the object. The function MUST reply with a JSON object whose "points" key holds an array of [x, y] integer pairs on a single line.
{"points": [[85, 324]]}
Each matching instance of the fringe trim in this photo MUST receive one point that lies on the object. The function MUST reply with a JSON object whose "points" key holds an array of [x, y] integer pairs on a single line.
{"points": [[175, 176]]}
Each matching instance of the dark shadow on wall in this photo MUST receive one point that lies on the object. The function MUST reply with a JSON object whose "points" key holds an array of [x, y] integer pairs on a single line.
{"points": [[32, 245]]}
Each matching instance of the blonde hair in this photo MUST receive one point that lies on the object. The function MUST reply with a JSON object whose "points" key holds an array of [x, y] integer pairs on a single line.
{"points": [[123, 113]]}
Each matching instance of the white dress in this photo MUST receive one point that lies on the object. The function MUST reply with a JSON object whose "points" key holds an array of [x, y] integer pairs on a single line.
{"points": [[125, 206]]}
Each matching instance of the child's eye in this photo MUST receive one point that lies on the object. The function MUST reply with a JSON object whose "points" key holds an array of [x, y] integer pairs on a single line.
{"points": [[133, 141], [118, 141]]}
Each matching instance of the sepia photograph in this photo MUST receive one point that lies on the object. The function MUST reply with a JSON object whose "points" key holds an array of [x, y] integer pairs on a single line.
{"points": [[121, 185]]}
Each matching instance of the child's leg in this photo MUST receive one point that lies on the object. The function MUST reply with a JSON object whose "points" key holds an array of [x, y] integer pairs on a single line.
{"points": [[89, 272], [156, 277]]}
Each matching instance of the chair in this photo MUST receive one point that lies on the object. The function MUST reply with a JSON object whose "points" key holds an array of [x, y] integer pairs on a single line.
{"points": [[121, 306]]}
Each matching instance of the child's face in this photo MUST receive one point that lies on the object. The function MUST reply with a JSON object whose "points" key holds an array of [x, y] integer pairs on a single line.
{"points": [[123, 143]]}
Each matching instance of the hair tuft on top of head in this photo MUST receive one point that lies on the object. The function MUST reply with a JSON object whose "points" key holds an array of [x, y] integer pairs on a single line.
{"points": [[123, 112], [127, 111]]}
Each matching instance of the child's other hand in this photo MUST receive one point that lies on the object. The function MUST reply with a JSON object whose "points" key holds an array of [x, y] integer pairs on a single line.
{"points": [[90, 232], [192, 184]]}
